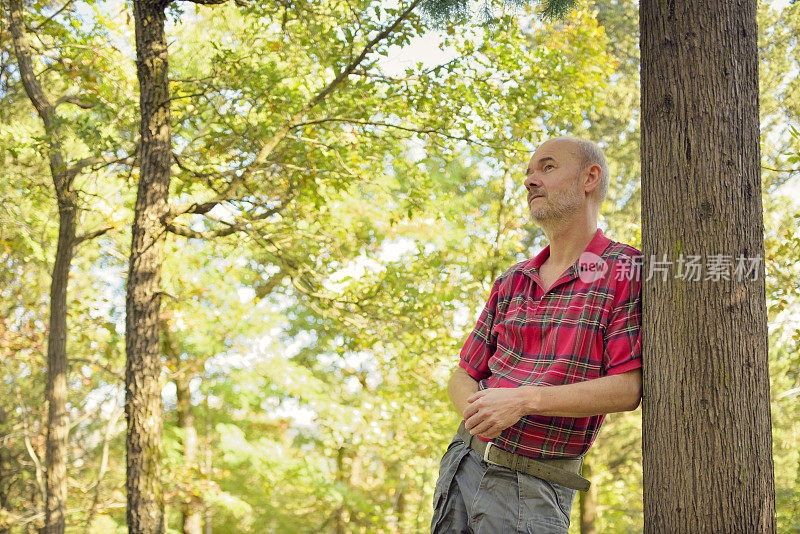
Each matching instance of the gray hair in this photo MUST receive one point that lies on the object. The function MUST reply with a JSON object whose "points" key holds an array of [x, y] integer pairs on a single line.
{"points": [[591, 154]]}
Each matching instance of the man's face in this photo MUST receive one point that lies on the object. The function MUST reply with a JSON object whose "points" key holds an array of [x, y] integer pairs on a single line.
{"points": [[552, 182]]}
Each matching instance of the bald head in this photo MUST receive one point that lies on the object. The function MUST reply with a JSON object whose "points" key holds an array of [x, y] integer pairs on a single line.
{"points": [[588, 154]]}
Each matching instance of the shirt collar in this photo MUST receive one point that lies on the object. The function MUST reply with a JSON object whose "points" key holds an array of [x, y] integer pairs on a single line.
{"points": [[597, 246]]}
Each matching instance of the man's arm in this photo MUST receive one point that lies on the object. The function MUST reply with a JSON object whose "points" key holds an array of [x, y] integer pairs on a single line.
{"points": [[492, 410], [460, 387]]}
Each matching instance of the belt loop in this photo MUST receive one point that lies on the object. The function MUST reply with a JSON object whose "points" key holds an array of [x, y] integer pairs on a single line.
{"points": [[471, 437], [517, 462], [486, 453]]}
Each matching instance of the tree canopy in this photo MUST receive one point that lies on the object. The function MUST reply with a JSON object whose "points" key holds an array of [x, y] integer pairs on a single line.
{"points": [[328, 246]]}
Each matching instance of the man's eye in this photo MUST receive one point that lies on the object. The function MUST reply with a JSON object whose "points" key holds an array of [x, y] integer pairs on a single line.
{"points": [[549, 166]]}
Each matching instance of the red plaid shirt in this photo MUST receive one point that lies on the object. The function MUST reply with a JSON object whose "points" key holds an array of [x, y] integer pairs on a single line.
{"points": [[578, 330]]}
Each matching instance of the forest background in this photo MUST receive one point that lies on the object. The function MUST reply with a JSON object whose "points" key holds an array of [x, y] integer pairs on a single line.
{"points": [[305, 354]]}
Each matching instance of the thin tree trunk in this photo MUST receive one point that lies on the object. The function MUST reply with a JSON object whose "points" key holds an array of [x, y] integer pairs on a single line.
{"points": [[588, 503], [5, 469], [395, 472], [707, 436], [112, 421], [58, 421], [39, 476], [192, 519], [56, 387], [339, 520], [145, 500], [207, 513]]}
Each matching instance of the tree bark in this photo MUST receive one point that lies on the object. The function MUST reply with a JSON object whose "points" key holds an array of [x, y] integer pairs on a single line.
{"points": [[58, 420], [145, 500], [707, 441]]}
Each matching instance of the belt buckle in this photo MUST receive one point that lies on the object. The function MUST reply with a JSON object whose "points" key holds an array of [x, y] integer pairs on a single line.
{"points": [[486, 454]]}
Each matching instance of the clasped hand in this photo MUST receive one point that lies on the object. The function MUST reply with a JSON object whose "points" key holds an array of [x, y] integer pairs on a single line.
{"points": [[490, 411]]}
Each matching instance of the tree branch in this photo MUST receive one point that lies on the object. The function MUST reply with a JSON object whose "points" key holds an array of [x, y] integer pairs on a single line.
{"points": [[112, 421], [209, 234], [62, 181], [409, 129], [790, 171], [73, 99], [29, 446], [279, 135], [201, 208], [91, 235], [51, 17], [116, 374], [79, 165], [23, 51]]}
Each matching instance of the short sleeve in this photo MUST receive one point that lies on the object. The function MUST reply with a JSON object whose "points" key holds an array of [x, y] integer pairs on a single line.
{"points": [[481, 343], [622, 342]]}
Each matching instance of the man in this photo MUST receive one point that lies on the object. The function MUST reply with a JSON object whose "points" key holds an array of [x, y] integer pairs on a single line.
{"points": [[557, 346]]}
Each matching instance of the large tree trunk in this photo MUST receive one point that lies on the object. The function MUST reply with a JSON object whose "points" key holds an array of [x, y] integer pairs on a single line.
{"points": [[707, 436], [145, 507]]}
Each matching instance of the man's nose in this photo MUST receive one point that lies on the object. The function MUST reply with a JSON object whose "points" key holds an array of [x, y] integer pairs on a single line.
{"points": [[531, 181]]}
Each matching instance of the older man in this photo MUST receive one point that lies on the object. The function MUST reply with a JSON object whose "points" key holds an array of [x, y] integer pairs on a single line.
{"points": [[557, 347]]}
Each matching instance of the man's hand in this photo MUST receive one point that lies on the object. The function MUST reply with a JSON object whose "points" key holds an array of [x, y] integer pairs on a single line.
{"points": [[492, 410]]}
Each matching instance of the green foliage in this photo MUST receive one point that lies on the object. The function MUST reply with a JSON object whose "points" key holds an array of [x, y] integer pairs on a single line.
{"points": [[558, 8], [448, 12], [366, 342], [71, 57], [317, 344]]}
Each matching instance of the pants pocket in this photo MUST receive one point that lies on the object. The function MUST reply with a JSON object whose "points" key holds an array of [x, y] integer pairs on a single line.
{"points": [[565, 496], [544, 503], [447, 470]]}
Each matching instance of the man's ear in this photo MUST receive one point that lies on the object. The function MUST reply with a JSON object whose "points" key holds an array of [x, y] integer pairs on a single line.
{"points": [[592, 178]]}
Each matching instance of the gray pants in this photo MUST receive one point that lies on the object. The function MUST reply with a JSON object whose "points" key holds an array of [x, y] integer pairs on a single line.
{"points": [[473, 497]]}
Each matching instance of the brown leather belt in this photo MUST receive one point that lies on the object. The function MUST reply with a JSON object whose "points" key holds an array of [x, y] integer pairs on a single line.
{"points": [[564, 471]]}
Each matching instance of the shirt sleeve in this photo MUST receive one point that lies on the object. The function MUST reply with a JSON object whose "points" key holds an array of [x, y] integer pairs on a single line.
{"points": [[622, 343], [481, 343]]}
